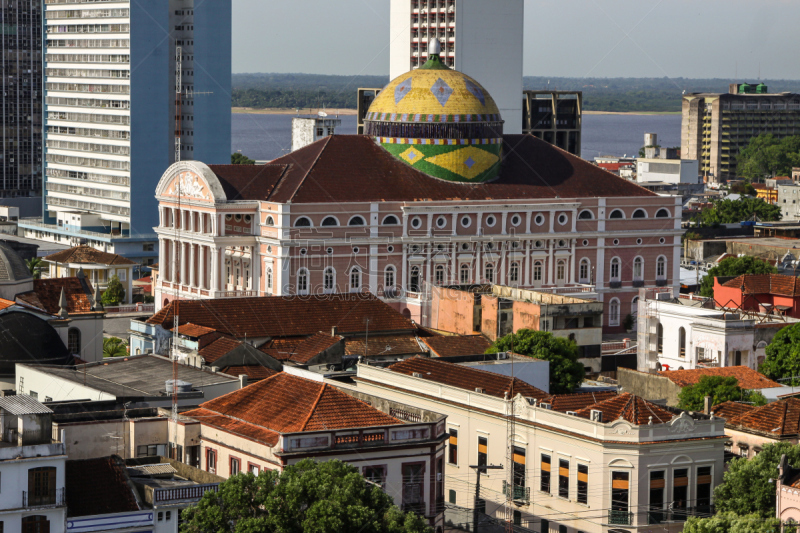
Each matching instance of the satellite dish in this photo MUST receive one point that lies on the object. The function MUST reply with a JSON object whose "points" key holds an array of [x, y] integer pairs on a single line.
{"points": [[322, 114]]}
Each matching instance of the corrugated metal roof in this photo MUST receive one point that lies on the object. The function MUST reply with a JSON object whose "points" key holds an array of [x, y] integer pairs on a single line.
{"points": [[23, 405]]}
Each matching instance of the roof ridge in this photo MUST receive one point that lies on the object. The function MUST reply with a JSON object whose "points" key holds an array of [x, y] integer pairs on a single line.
{"points": [[313, 406], [286, 167], [302, 180]]}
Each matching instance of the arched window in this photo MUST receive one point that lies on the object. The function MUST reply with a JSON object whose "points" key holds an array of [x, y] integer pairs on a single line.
{"points": [[537, 272], [585, 215], [661, 267], [228, 273], [329, 279], [302, 281], [513, 273], [302, 222], [488, 272], [662, 213], [617, 213], [660, 338], [391, 220], [635, 309], [388, 278], [270, 221], [464, 273], [355, 279], [681, 342], [584, 270], [638, 269], [330, 221], [639, 213], [613, 312], [561, 271], [38, 523], [439, 275], [413, 280], [356, 221], [246, 275], [269, 278], [615, 269], [74, 341]]}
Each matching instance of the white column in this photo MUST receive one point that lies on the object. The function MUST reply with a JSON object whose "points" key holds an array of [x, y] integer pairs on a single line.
{"points": [[526, 262], [572, 263], [454, 262], [501, 263], [255, 269], [455, 221], [428, 278], [404, 268], [162, 256], [173, 262], [201, 266], [505, 220], [373, 269], [191, 265], [550, 262], [478, 270], [214, 269]]}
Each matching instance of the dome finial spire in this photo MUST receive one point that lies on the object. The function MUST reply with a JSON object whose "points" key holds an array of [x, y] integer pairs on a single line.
{"points": [[435, 47]]}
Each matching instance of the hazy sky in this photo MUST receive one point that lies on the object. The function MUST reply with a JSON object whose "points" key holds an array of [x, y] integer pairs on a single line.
{"points": [[576, 38]]}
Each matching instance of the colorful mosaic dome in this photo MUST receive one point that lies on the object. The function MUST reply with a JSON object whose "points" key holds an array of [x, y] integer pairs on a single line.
{"points": [[439, 121]]}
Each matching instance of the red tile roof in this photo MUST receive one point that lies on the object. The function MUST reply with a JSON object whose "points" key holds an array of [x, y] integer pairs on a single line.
{"points": [[628, 407], [193, 330], [217, 349], [777, 419], [466, 378], [311, 347], [352, 168], [384, 345], [776, 284], [277, 316], [88, 255], [233, 426], [747, 377], [287, 404], [452, 345], [254, 373], [46, 294], [98, 486], [731, 410], [5, 304], [578, 401]]}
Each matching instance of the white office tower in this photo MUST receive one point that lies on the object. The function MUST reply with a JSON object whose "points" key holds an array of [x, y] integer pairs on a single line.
{"points": [[112, 113], [481, 38]]}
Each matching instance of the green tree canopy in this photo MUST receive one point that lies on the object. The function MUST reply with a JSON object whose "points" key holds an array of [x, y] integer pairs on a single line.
{"points": [[307, 497], [732, 523], [241, 159], [566, 373], [721, 389], [766, 156], [783, 355], [35, 265], [746, 487], [114, 347], [734, 266], [733, 211], [742, 187], [115, 293]]}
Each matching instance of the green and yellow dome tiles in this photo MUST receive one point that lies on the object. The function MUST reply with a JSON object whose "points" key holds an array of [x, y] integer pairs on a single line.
{"points": [[439, 121]]}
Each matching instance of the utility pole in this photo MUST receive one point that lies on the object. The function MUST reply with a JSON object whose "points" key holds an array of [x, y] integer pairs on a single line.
{"points": [[478, 470]]}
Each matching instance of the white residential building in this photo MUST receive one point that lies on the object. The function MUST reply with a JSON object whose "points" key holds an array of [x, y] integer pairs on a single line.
{"points": [[32, 467], [481, 39]]}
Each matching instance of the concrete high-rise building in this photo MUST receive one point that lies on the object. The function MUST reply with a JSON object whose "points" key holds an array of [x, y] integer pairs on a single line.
{"points": [[21, 117], [111, 113], [479, 38], [717, 126]]}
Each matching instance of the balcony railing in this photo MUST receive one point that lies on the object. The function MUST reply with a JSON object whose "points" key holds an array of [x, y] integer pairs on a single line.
{"points": [[56, 498], [520, 493], [620, 518], [183, 494]]}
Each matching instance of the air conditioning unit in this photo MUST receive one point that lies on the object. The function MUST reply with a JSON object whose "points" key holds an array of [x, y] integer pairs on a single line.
{"points": [[545, 405], [596, 416], [573, 413], [502, 355], [663, 296], [479, 390]]}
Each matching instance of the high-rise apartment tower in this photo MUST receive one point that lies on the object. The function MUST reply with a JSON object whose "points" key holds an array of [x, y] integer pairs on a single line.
{"points": [[21, 117], [479, 38], [111, 116]]}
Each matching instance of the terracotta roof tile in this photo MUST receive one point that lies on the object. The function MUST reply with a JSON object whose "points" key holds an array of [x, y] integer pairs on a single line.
{"points": [[747, 377], [46, 294], [193, 330], [384, 345], [578, 401], [311, 347], [447, 345], [626, 406], [276, 316], [98, 486], [88, 255], [776, 284], [352, 168], [466, 378], [778, 419], [5, 304], [231, 425], [287, 404], [731, 410], [254, 373], [218, 348]]}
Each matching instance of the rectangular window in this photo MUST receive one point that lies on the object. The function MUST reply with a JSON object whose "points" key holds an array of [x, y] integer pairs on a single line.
{"points": [[253, 469], [122, 275], [545, 474], [519, 466], [483, 451], [517, 518], [680, 490], [413, 488], [563, 478], [620, 489], [583, 483], [452, 451], [34, 395], [657, 485], [147, 450], [211, 461], [376, 474], [704, 489], [169, 515], [235, 466], [160, 516], [451, 497]]}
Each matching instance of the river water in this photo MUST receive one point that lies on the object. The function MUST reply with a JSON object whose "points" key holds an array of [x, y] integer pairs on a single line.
{"points": [[265, 137]]}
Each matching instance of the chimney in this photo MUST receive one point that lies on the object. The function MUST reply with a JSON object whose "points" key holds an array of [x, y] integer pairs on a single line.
{"points": [[334, 331], [242, 381], [707, 405]]}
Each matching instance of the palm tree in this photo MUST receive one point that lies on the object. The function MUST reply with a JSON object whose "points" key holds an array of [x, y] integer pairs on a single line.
{"points": [[114, 347], [35, 265]]}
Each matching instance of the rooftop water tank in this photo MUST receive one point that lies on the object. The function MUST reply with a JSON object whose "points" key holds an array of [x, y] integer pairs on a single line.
{"points": [[181, 386]]}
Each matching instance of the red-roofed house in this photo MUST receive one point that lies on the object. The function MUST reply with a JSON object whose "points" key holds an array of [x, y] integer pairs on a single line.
{"points": [[763, 293], [284, 419], [601, 451], [98, 266], [749, 428]]}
